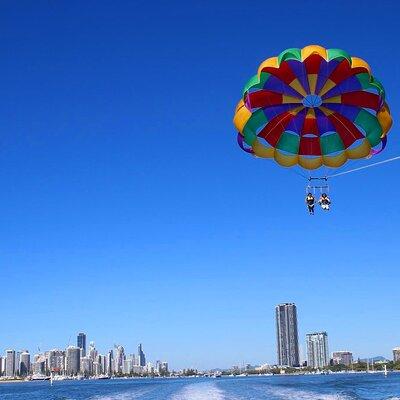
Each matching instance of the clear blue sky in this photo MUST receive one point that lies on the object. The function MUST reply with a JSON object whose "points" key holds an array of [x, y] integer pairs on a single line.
{"points": [[128, 211]]}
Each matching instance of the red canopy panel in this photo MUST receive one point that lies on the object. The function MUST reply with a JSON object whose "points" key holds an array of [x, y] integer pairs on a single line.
{"points": [[344, 71], [284, 72], [346, 129], [310, 126], [273, 130], [362, 99], [313, 63], [309, 146], [264, 98]]}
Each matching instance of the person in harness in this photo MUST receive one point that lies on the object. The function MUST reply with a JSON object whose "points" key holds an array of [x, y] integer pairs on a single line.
{"points": [[324, 201], [310, 201]]}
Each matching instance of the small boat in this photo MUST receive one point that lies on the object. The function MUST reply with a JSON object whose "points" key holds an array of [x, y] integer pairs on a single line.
{"points": [[38, 377], [102, 377]]}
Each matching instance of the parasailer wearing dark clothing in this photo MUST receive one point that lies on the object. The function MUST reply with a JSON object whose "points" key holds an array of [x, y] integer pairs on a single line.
{"points": [[310, 201]]}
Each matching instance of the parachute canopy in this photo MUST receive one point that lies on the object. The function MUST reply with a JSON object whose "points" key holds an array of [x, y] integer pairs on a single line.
{"points": [[313, 107]]}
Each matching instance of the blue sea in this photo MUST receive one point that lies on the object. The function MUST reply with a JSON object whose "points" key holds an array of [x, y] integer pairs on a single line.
{"points": [[317, 387]]}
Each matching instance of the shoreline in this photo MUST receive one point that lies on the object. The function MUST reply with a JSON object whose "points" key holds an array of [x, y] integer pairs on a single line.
{"points": [[13, 381]]}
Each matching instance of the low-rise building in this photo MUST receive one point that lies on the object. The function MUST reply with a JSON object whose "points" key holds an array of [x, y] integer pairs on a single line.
{"points": [[342, 358]]}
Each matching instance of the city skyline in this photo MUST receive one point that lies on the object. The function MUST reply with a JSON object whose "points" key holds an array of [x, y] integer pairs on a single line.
{"points": [[72, 362], [80, 359], [76, 360]]}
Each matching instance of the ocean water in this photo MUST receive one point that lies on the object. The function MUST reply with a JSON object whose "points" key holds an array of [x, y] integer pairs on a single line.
{"points": [[318, 387]]}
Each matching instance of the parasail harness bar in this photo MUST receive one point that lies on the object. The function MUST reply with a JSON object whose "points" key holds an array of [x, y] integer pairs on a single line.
{"points": [[323, 187]]}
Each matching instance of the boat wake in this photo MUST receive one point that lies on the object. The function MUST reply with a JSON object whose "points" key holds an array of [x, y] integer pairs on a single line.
{"points": [[293, 394], [200, 391], [128, 395]]}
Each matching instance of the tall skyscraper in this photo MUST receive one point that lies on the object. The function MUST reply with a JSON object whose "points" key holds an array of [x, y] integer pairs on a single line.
{"points": [[72, 360], [119, 359], [2, 365], [103, 364], [317, 349], [396, 354], [287, 335], [10, 363], [81, 343], [16, 362], [93, 353], [342, 357], [142, 357], [24, 363], [110, 363]]}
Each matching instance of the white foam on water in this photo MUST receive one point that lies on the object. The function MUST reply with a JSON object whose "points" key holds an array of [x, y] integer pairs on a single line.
{"points": [[200, 391], [128, 395], [293, 394]]}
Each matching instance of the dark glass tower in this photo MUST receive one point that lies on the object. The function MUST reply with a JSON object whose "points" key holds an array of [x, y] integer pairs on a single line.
{"points": [[142, 357], [81, 343], [287, 335]]}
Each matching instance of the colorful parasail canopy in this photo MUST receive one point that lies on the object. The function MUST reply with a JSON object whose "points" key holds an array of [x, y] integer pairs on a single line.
{"points": [[313, 107]]}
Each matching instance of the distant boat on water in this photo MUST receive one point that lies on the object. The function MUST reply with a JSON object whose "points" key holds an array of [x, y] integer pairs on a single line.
{"points": [[39, 377]]}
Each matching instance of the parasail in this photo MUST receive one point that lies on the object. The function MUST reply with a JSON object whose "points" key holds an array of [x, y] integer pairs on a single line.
{"points": [[313, 107]]}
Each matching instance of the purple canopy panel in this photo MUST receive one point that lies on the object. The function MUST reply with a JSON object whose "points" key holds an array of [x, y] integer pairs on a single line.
{"points": [[297, 122], [242, 146], [350, 84], [323, 123], [276, 85], [299, 70], [271, 112], [384, 142], [325, 69]]}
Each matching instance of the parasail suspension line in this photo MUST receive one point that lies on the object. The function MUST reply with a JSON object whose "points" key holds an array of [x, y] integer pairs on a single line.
{"points": [[364, 167]]}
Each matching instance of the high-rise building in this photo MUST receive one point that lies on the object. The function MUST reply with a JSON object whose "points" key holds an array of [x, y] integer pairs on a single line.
{"points": [[141, 356], [16, 362], [164, 368], [97, 368], [396, 354], [342, 357], [10, 363], [93, 353], [2, 365], [109, 363], [128, 366], [24, 363], [150, 368], [56, 361], [102, 360], [317, 350], [119, 359], [86, 366], [39, 364], [81, 343], [72, 360], [287, 335]]}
